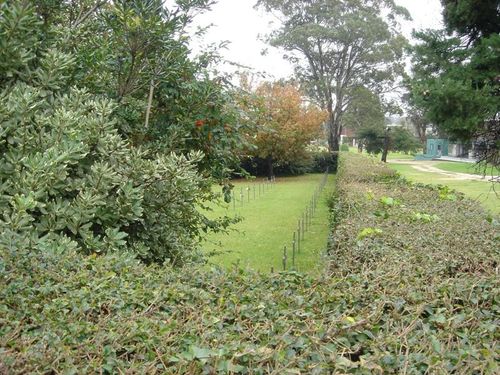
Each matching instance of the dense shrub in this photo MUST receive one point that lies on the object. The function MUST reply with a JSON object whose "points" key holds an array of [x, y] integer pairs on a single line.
{"points": [[324, 160], [312, 162], [256, 166], [424, 263], [70, 175]]}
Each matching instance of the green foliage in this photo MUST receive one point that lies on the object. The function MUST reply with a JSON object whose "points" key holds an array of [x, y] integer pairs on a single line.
{"points": [[344, 147], [369, 232], [75, 174], [400, 139], [372, 138], [323, 161], [426, 218], [17, 39], [365, 110], [455, 81], [472, 18], [445, 193], [389, 202], [419, 269], [69, 176], [403, 141]]}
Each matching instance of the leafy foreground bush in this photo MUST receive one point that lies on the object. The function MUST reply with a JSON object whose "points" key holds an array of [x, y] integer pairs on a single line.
{"points": [[75, 170], [411, 303], [70, 180]]}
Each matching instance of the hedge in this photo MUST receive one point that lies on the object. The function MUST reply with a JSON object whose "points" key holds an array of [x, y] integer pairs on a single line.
{"points": [[410, 287]]}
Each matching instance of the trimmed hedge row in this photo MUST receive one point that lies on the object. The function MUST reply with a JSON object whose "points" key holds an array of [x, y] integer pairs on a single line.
{"points": [[424, 261], [396, 298]]}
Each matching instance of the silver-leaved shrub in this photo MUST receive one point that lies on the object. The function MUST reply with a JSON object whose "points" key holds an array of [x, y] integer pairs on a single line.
{"points": [[68, 179]]}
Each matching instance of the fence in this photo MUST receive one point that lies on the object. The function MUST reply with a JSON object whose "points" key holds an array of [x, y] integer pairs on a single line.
{"points": [[303, 226], [251, 192]]}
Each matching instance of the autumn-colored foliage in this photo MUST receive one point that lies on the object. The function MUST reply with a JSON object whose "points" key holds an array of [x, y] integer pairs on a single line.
{"points": [[286, 123]]}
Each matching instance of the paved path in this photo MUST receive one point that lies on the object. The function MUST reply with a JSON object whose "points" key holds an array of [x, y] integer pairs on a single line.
{"points": [[428, 166]]}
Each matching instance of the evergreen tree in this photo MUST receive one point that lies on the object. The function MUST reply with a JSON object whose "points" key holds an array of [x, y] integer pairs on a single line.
{"points": [[455, 76]]}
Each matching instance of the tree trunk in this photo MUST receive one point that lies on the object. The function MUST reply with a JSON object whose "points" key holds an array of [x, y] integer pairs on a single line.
{"points": [[421, 131], [333, 133], [386, 146], [270, 168]]}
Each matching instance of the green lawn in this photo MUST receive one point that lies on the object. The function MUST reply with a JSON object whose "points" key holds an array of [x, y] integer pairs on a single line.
{"points": [[481, 191], [461, 167], [268, 224]]}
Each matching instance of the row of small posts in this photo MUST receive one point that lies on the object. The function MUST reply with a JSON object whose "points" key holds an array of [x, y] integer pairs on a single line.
{"points": [[256, 190], [304, 224]]}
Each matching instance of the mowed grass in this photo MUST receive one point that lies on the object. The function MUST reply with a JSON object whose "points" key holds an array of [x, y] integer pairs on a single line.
{"points": [[268, 223], [481, 191], [470, 168]]}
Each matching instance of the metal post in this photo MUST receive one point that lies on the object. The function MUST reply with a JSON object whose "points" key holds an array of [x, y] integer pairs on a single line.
{"points": [[234, 201], [284, 258], [254, 192], [248, 194], [298, 237], [241, 196], [293, 252]]}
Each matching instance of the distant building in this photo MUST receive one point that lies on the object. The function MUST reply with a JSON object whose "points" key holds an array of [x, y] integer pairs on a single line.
{"points": [[439, 147], [348, 137]]}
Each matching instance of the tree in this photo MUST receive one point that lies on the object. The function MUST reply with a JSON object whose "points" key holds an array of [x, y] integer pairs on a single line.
{"points": [[372, 137], [365, 110], [455, 75], [286, 124], [402, 140], [420, 123], [337, 46], [137, 53], [379, 139], [472, 19]]}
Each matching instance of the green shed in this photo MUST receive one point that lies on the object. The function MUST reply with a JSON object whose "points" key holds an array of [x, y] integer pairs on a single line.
{"points": [[437, 147]]}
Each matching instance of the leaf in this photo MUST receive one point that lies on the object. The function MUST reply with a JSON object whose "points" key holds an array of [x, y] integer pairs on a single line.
{"points": [[436, 345], [201, 353]]}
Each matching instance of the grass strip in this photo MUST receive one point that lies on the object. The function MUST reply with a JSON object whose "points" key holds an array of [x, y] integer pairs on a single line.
{"points": [[268, 223]]}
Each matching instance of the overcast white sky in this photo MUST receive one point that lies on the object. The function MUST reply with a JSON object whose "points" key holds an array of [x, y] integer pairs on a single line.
{"points": [[239, 23]]}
